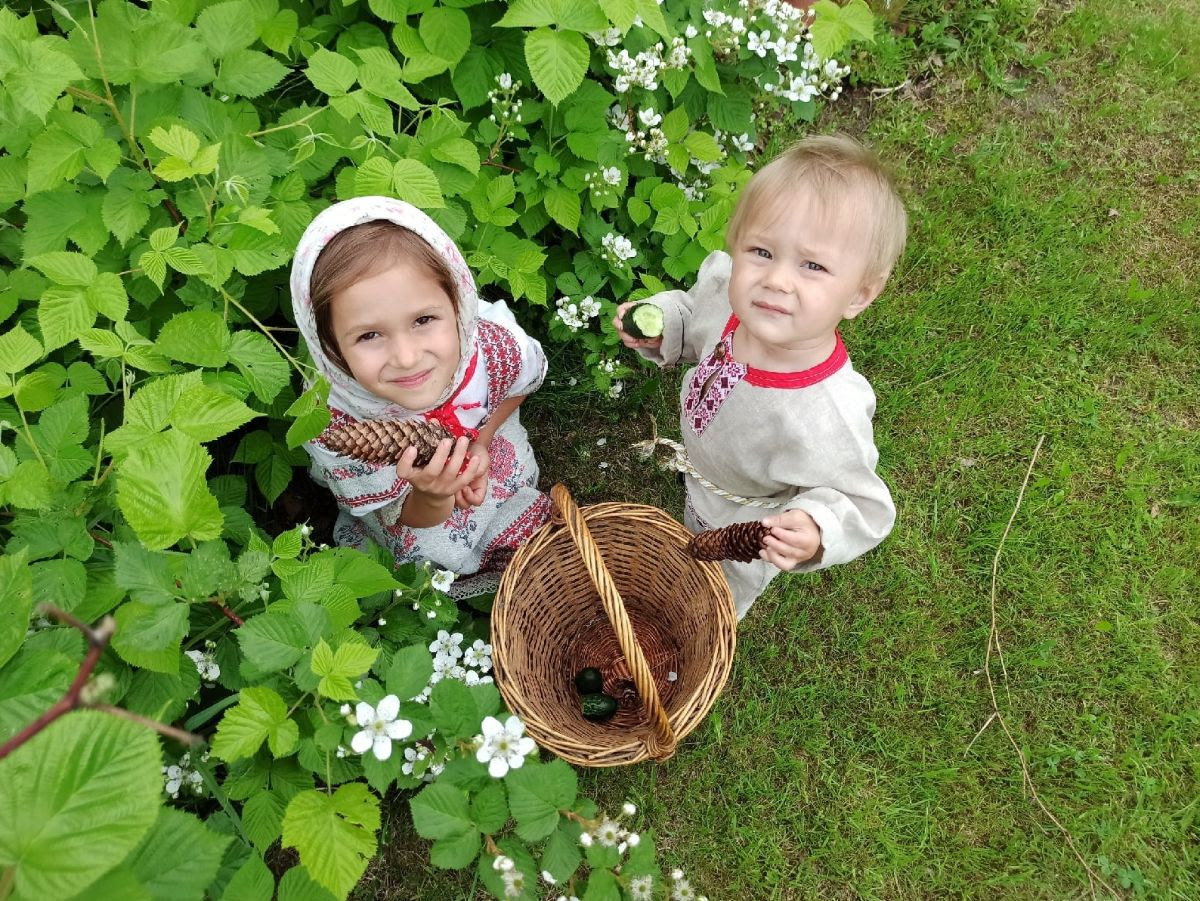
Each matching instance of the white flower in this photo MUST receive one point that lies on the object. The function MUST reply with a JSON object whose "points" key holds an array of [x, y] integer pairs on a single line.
{"points": [[548, 878], [205, 665], [505, 80], [479, 655], [306, 530], [628, 809], [612, 175], [615, 389], [641, 888], [607, 833], [380, 727], [677, 874], [442, 580], [690, 31], [514, 883], [648, 117], [344, 710], [382, 621], [447, 644], [633, 839], [431, 614], [504, 746], [502, 863], [585, 839], [618, 246], [174, 780]]}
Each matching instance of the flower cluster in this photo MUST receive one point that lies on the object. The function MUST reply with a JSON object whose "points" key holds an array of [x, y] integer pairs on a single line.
{"points": [[451, 660], [576, 315], [643, 70], [514, 879], [617, 248], [506, 106], [431, 605], [418, 761], [380, 727], [609, 833], [681, 889], [206, 663], [503, 746], [183, 775]]}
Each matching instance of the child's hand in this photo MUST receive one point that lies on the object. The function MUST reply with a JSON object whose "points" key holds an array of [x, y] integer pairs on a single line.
{"points": [[794, 538], [447, 473], [627, 339], [475, 493]]}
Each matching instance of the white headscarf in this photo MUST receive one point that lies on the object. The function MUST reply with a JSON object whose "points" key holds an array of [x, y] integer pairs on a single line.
{"points": [[345, 393]]}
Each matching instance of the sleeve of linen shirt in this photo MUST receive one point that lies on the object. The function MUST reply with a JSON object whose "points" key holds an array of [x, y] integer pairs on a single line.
{"points": [[853, 507], [680, 339]]}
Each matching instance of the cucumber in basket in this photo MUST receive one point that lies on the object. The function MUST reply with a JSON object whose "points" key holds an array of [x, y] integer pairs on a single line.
{"points": [[598, 706], [644, 320]]}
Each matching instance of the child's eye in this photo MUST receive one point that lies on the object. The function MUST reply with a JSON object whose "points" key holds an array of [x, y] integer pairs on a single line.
{"points": [[424, 320], [366, 336], [761, 252], [814, 267]]}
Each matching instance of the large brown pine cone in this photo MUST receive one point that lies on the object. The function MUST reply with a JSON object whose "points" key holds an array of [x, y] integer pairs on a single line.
{"points": [[740, 541], [384, 441]]}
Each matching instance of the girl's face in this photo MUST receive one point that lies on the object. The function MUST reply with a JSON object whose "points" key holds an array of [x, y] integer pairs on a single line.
{"points": [[398, 334]]}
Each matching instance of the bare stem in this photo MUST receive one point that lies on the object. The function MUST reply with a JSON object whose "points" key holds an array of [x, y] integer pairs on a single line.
{"points": [[229, 614], [275, 128], [296, 364], [187, 738]]}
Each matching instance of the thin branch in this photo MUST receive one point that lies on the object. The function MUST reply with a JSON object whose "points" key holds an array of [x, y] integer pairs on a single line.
{"points": [[229, 614], [186, 738], [994, 641], [275, 128]]}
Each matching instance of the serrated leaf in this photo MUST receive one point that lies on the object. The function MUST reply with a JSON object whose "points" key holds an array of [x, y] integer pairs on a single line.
{"points": [[441, 810], [78, 796], [162, 492], [335, 835], [557, 61], [575, 15], [189, 874], [18, 350], [65, 268], [415, 183], [253, 882], [410, 671], [259, 715], [63, 315], [199, 337], [836, 26], [330, 72], [149, 636], [279, 31], [703, 146], [563, 205], [273, 640], [16, 602], [458, 151], [561, 855], [176, 141], [456, 852], [454, 709], [54, 157], [489, 809], [249, 73], [262, 818], [446, 33], [536, 792], [37, 74], [620, 12], [162, 238], [205, 413], [103, 157], [227, 27]]}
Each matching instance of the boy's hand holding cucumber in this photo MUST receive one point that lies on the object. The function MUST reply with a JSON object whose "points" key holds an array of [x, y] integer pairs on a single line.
{"points": [[639, 324]]}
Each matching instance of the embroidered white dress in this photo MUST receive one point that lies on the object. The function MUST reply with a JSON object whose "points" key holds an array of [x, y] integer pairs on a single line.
{"points": [[802, 439], [498, 360]]}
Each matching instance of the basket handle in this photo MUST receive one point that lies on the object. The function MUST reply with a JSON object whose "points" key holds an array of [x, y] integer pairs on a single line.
{"points": [[660, 742]]}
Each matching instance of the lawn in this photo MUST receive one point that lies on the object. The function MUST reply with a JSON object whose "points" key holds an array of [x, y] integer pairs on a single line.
{"points": [[1049, 289]]}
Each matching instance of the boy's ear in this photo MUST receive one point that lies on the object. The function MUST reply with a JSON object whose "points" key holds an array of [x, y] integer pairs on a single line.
{"points": [[866, 295]]}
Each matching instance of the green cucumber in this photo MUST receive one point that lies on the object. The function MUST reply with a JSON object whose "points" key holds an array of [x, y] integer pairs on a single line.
{"points": [[589, 680], [598, 706], [643, 320]]}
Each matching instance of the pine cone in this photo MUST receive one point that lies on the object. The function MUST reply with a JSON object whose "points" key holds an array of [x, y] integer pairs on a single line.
{"points": [[385, 441], [740, 541]]}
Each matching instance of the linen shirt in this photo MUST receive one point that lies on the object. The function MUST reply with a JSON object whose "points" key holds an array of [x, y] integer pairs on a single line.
{"points": [[802, 439]]}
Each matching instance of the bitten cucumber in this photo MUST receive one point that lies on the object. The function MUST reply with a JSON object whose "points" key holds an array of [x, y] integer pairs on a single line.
{"points": [[643, 320]]}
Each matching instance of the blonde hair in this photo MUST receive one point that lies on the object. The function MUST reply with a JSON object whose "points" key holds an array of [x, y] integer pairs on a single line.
{"points": [[839, 172], [359, 252]]}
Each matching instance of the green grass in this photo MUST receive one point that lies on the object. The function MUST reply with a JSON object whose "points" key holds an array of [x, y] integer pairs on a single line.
{"points": [[1049, 289]]}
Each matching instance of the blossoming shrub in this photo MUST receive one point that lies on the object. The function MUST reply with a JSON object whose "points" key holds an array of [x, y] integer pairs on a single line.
{"points": [[157, 165]]}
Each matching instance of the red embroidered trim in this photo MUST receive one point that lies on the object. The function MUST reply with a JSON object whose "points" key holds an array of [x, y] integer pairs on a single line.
{"points": [[503, 359], [445, 413], [497, 553], [378, 496], [765, 378]]}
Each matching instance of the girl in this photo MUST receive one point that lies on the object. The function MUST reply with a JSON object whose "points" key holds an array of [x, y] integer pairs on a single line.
{"points": [[391, 317]]}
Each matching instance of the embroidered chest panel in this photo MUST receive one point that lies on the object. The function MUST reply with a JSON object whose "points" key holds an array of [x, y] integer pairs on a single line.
{"points": [[503, 358], [711, 383]]}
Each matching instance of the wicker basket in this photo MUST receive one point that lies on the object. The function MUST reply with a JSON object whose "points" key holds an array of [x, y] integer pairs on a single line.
{"points": [[611, 586]]}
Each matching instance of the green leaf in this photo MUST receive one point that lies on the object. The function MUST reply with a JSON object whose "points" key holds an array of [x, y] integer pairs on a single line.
{"points": [[199, 337], [441, 810], [37, 75], [177, 141], [107, 296], [489, 809], [227, 27], [262, 818], [63, 315], [54, 157], [336, 669], [415, 182], [162, 492], [563, 205], [536, 791], [103, 157], [253, 882], [335, 835], [16, 602], [205, 413], [561, 855], [620, 12], [651, 14], [64, 268], [574, 15], [454, 709], [18, 349], [145, 47], [260, 364], [446, 33], [360, 575], [260, 714], [331, 73], [189, 874], [273, 640], [601, 886], [458, 151], [150, 407], [162, 238], [836, 26], [456, 852], [703, 146], [279, 31], [249, 73], [150, 636], [557, 61], [409, 673], [74, 799]]}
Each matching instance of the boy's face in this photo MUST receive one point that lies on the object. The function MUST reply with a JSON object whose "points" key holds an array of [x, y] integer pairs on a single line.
{"points": [[398, 334], [796, 276]]}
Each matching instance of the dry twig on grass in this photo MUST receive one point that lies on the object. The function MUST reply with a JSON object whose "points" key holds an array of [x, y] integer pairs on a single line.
{"points": [[997, 716]]}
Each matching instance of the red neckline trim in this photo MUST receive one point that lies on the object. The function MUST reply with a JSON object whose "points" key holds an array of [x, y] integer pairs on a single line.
{"points": [[765, 378]]}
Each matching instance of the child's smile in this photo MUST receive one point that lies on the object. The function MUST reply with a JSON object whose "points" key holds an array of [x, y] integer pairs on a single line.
{"points": [[399, 335], [796, 276]]}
